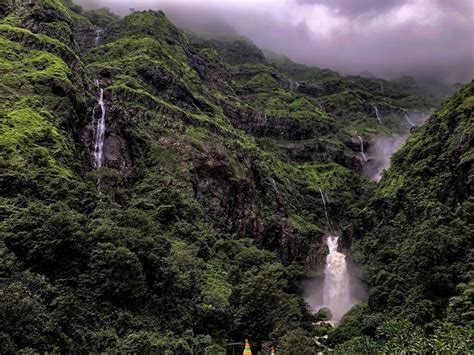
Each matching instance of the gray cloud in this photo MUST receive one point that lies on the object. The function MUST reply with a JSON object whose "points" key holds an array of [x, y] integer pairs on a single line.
{"points": [[351, 8], [430, 39]]}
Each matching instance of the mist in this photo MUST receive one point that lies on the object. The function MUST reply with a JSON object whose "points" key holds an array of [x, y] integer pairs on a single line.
{"points": [[313, 288], [382, 148], [380, 153], [431, 40]]}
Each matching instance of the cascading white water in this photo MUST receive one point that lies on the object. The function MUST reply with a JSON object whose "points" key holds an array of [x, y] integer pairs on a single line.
{"points": [[377, 114], [408, 120], [294, 85], [325, 200], [98, 32], [98, 129], [361, 140], [336, 287]]}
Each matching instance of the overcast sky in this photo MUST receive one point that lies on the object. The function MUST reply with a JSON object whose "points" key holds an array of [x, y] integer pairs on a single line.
{"points": [[427, 38]]}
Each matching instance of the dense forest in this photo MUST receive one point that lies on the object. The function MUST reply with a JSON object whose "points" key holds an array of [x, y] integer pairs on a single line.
{"points": [[160, 192]]}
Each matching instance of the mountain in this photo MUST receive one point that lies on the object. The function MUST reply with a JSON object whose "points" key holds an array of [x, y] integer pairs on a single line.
{"points": [[161, 192], [417, 242]]}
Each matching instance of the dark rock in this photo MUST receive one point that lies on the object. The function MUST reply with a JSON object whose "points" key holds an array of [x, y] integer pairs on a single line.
{"points": [[311, 90]]}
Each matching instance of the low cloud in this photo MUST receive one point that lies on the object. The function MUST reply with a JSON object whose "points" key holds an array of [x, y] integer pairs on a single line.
{"points": [[432, 40]]}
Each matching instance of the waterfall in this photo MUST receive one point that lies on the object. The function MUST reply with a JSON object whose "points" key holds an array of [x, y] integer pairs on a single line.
{"points": [[377, 114], [98, 129], [336, 287], [98, 32], [338, 290], [408, 120], [362, 148], [325, 200], [294, 85]]}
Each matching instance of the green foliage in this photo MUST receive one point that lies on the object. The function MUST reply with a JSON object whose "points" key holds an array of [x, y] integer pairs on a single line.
{"points": [[264, 288], [115, 274], [296, 342], [323, 314], [403, 337], [420, 270], [47, 238], [100, 17], [149, 343], [25, 322], [354, 324]]}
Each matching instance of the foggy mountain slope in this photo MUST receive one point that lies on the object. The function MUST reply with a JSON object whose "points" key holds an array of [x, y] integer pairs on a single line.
{"points": [[430, 40], [417, 235]]}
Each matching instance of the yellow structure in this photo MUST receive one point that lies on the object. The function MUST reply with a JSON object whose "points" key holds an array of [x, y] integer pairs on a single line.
{"points": [[247, 350]]}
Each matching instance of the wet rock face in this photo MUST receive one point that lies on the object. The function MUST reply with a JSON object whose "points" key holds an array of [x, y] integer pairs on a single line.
{"points": [[85, 38], [169, 88], [259, 125], [42, 17], [116, 150], [354, 144], [311, 90], [116, 154], [311, 151]]}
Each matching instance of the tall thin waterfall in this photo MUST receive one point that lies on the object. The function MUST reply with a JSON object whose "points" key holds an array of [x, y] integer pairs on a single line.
{"points": [[98, 32], [336, 287], [98, 127], [294, 85], [362, 148], [408, 120], [325, 200], [377, 114]]}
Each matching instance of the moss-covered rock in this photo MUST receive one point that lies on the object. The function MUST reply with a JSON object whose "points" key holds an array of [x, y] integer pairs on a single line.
{"points": [[323, 314]]}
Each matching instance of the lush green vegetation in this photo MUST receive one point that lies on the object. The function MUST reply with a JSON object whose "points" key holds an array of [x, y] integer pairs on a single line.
{"points": [[207, 213], [417, 244]]}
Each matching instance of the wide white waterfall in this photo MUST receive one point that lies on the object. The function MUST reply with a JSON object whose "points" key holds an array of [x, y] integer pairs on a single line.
{"points": [[408, 120], [98, 129], [377, 114], [362, 150], [336, 287]]}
